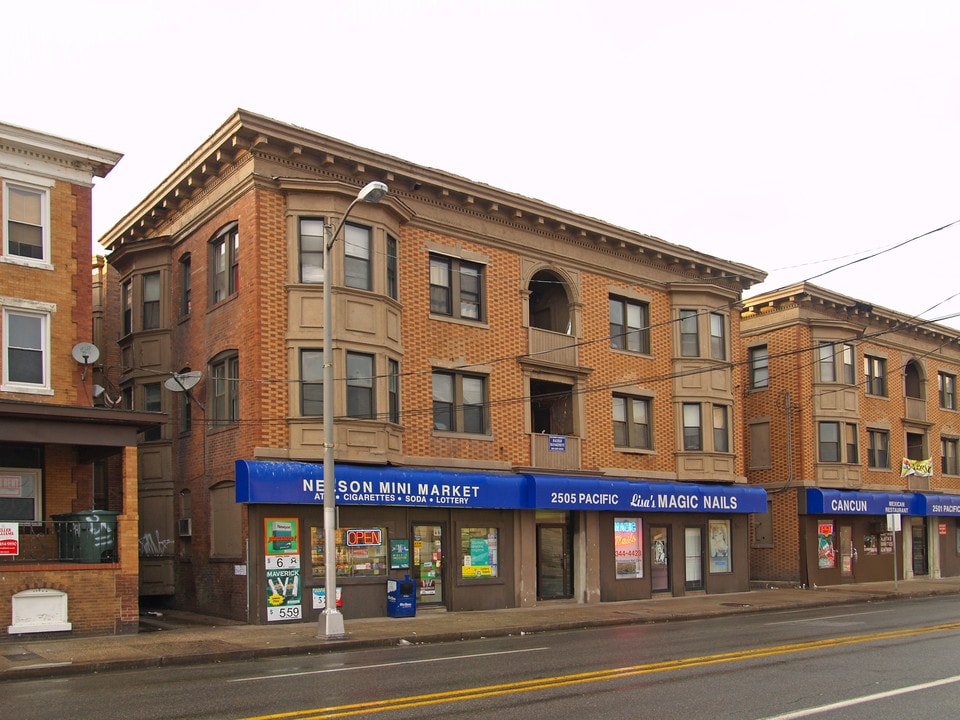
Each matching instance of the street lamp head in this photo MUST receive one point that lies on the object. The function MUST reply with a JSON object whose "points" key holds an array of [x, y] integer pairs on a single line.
{"points": [[372, 192]]}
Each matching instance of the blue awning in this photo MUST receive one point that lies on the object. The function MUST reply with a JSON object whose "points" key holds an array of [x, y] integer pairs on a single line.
{"points": [[934, 505], [854, 502], [585, 493], [260, 481]]}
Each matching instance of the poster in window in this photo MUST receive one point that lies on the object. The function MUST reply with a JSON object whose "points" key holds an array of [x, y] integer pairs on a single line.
{"points": [[281, 536], [826, 554], [399, 554], [627, 548], [719, 531], [870, 545]]}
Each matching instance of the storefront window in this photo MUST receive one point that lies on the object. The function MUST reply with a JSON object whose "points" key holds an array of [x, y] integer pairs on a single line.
{"points": [[826, 554], [720, 546], [361, 552], [627, 548], [478, 546]]}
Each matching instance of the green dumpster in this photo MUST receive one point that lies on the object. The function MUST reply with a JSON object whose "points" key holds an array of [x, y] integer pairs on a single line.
{"points": [[87, 537]]}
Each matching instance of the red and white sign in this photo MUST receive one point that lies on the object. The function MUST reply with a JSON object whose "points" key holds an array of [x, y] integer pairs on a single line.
{"points": [[9, 539]]}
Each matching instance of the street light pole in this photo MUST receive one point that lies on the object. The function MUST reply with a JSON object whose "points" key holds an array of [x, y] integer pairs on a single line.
{"points": [[332, 628]]}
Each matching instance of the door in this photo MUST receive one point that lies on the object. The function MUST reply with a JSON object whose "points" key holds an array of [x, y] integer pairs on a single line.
{"points": [[659, 559], [919, 536], [554, 569], [847, 552], [427, 563], [693, 556]]}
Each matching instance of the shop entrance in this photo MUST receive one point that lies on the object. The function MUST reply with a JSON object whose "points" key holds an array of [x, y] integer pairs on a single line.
{"points": [[659, 559], [427, 564], [554, 565], [919, 551], [693, 552]]}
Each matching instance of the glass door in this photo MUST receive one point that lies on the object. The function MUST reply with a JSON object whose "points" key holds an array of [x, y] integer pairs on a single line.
{"points": [[659, 559], [427, 563], [693, 556], [553, 563], [919, 537]]}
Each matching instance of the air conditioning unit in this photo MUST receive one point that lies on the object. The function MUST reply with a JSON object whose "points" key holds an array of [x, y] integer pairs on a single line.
{"points": [[186, 527]]}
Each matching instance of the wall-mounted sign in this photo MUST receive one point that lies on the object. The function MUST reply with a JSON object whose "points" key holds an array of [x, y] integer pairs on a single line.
{"points": [[9, 539]]}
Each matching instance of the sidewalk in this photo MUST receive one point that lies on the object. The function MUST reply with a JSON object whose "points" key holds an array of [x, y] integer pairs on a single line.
{"points": [[182, 639]]}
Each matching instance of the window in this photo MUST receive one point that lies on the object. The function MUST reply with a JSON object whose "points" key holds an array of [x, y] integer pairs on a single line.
{"points": [[692, 432], [689, 340], [828, 360], [357, 242], [360, 395], [831, 445], [718, 337], [226, 532], [628, 547], [151, 403], [151, 301], [878, 449], [459, 403], [392, 284], [875, 375], [26, 223], [759, 367], [948, 456], [185, 282], [478, 548], [186, 418], [721, 430], [393, 391], [629, 325], [948, 391], [361, 552], [26, 356], [21, 492], [719, 546], [312, 237], [631, 422], [126, 302], [225, 388], [311, 382], [224, 263], [456, 288], [759, 445], [829, 441]]}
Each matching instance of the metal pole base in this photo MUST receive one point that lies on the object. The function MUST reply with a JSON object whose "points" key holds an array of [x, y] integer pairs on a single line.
{"points": [[331, 626]]}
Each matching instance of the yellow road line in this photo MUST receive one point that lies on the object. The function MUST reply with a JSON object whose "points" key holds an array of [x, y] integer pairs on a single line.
{"points": [[449, 696]]}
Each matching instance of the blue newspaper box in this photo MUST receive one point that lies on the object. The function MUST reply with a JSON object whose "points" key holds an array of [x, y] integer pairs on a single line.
{"points": [[401, 597]]}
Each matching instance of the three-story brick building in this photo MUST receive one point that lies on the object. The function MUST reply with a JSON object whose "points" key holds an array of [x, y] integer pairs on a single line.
{"points": [[529, 404], [850, 418]]}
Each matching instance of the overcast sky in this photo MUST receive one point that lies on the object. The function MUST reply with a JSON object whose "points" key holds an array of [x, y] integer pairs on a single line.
{"points": [[790, 136]]}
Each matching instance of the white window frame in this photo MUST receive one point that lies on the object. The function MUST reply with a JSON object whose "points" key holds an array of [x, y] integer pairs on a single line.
{"points": [[12, 480], [31, 184], [43, 311]]}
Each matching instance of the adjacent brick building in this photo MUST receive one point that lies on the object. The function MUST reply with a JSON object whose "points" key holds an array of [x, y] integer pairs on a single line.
{"points": [[850, 416], [68, 524], [530, 404]]}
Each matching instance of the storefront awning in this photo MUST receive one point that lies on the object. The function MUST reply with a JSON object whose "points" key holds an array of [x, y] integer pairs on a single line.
{"points": [[935, 505], [263, 481], [586, 493], [260, 481], [854, 502]]}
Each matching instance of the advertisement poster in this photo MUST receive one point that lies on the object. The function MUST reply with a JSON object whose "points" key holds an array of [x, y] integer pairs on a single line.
{"points": [[399, 554], [627, 548], [886, 543], [9, 539], [281, 536], [320, 598], [826, 555], [283, 594], [719, 546]]}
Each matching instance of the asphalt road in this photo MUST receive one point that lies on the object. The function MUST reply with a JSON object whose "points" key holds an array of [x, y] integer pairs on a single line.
{"points": [[874, 660]]}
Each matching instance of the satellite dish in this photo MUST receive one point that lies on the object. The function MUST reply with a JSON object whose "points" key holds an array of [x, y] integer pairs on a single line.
{"points": [[183, 381], [85, 353]]}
